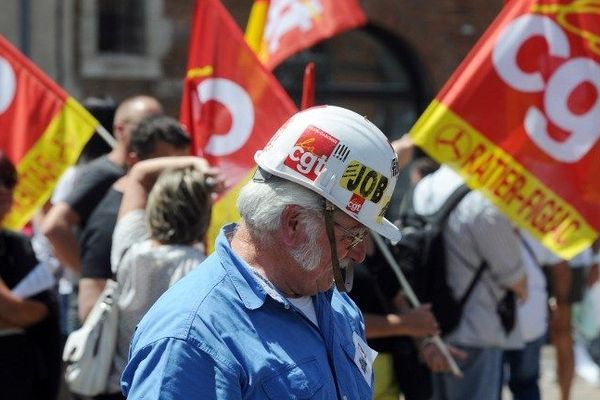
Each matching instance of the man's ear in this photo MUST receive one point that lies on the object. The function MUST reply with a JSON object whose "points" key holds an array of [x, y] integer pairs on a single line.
{"points": [[291, 227], [132, 159]]}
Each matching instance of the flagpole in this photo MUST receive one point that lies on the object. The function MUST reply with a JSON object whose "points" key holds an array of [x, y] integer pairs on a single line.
{"points": [[104, 134], [412, 297], [256, 25], [308, 88]]}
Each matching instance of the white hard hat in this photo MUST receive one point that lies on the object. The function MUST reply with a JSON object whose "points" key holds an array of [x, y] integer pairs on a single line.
{"points": [[340, 155]]}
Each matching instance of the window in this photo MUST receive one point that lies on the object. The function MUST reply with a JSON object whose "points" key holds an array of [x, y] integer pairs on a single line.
{"points": [[122, 38], [121, 27]]}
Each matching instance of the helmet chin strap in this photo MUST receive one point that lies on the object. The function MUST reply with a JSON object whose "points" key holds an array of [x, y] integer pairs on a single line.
{"points": [[343, 278]]}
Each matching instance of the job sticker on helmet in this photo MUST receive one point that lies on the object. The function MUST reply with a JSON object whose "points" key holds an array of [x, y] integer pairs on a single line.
{"points": [[364, 181], [311, 152]]}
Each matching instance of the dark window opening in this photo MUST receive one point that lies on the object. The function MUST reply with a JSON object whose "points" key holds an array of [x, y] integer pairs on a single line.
{"points": [[121, 27]]}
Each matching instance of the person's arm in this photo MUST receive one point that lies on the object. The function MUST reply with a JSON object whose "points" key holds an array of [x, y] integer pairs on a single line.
{"points": [[418, 322], [404, 149], [17, 312], [520, 288], [89, 292], [57, 226], [144, 174], [433, 357]]}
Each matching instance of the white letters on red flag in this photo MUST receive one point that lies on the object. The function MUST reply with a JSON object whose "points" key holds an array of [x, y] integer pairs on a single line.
{"points": [[231, 104], [519, 119], [294, 25]]}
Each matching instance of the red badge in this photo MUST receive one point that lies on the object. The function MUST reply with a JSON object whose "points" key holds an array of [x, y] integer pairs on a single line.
{"points": [[311, 152], [355, 204]]}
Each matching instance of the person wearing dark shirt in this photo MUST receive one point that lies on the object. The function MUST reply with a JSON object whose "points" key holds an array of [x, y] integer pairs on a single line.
{"points": [[30, 346], [390, 329], [94, 180], [156, 136]]}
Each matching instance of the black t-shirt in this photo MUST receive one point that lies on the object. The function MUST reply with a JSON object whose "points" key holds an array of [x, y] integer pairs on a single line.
{"points": [[373, 291], [91, 184], [33, 358], [95, 241]]}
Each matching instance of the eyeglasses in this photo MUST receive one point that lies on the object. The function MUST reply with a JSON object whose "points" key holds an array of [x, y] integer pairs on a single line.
{"points": [[353, 237]]}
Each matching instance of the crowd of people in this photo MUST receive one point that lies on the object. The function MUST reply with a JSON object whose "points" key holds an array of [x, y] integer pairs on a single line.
{"points": [[297, 300]]}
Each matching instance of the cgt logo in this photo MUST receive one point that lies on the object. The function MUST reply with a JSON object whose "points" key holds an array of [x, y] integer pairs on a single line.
{"points": [[355, 203], [311, 152], [364, 181]]}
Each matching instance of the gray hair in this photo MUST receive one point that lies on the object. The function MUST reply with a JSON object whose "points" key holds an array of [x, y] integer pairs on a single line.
{"points": [[179, 207], [261, 203]]}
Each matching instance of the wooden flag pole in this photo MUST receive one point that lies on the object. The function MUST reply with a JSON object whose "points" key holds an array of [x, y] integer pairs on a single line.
{"points": [[308, 88]]}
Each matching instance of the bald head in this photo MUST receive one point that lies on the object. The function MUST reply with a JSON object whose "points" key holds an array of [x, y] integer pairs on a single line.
{"points": [[130, 112]]}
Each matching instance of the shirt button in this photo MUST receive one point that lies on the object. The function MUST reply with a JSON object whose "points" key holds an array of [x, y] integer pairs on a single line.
{"points": [[287, 306], [344, 398]]}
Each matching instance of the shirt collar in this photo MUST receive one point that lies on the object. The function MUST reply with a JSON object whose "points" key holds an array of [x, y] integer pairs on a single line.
{"points": [[252, 289]]}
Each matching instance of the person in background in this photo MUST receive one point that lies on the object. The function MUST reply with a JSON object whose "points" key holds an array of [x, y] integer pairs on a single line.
{"points": [[391, 325], [421, 167], [475, 232], [522, 366], [566, 282], [93, 181], [261, 318], [103, 109], [155, 136], [158, 238], [30, 343]]}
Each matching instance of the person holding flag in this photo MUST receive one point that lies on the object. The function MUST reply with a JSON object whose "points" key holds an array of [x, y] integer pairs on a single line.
{"points": [[261, 317]]}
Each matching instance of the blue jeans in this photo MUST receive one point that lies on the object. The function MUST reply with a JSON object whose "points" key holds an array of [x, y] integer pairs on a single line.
{"points": [[482, 371], [523, 367]]}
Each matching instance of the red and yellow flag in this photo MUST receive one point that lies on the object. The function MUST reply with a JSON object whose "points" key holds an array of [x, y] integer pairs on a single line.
{"points": [[294, 25], [42, 129], [520, 119], [231, 104]]}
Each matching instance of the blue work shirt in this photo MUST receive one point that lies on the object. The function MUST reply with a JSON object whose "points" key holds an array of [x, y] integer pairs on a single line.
{"points": [[219, 333]]}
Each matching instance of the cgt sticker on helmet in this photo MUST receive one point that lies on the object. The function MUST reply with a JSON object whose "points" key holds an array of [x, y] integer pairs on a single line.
{"points": [[355, 203], [311, 152], [364, 181]]}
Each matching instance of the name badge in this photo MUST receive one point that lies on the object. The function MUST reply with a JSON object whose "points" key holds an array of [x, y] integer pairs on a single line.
{"points": [[363, 357]]}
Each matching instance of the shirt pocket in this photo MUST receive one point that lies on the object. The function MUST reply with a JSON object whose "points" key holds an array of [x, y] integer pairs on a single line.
{"points": [[298, 381]]}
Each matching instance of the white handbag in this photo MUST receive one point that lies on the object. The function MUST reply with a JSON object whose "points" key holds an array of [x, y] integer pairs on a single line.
{"points": [[89, 351]]}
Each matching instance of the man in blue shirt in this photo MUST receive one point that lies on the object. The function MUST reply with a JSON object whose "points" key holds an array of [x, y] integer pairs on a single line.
{"points": [[261, 318]]}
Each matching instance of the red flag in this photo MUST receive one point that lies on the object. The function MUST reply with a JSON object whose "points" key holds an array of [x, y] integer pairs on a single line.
{"points": [[231, 104], [294, 25], [519, 120], [43, 130]]}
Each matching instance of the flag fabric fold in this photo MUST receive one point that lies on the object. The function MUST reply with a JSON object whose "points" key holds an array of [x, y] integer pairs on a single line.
{"points": [[231, 103], [43, 131], [519, 120], [294, 25]]}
